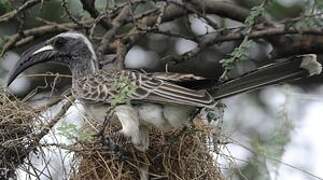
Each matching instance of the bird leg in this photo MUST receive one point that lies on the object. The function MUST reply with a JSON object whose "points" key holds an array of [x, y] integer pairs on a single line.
{"points": [[110, 145], [131, 127], [107, 142], [108, 116], [213, 117], [213, 114]]}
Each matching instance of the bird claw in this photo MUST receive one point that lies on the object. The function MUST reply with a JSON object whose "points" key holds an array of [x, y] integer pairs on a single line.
{"points": [[116, 149], [214, 114]]}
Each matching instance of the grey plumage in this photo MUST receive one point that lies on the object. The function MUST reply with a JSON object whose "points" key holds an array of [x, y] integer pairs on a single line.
{"points": [[102, 86], [162, 102], [290, 69]]}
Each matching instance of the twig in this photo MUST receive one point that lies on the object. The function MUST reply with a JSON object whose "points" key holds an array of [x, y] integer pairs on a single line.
{"points": [[107, 120], [276, 160], [116, 24], [175, 35], [8, 16], [71, 17], [190, 8], [173, 12], [214, 38], [121, 54], [89, 6], [26, 36], [66, 105]]}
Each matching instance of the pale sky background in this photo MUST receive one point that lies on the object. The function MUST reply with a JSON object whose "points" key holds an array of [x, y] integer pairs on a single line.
{"points": [[305, 150]]}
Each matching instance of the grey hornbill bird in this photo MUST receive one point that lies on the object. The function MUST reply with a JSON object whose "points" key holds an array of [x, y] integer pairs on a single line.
{"points": [[143, 99]]}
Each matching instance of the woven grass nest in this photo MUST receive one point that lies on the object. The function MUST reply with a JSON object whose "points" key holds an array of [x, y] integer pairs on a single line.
{"points": [[175, 154], [181, 154], [16, 120]]}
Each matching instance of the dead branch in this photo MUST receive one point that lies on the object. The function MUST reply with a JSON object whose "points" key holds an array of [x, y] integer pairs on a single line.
{"points": [[116, 24], [89, 6], [27, 36], [268, 33], [10, 15]]}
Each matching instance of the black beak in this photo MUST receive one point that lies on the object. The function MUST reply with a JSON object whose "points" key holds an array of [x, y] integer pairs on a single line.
{"points": [[35, 55]]}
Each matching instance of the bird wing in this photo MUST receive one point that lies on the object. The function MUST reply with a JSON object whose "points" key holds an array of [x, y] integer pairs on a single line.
{"points": [[176, 77], [116, 86], [109, 86]]}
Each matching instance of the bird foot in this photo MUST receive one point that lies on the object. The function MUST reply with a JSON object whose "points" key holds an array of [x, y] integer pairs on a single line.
{"points": [[213, 114], [116, 149]]}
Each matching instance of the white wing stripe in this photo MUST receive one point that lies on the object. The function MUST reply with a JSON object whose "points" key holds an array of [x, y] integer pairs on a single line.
{"points": [[171, 95], [187, 100]]}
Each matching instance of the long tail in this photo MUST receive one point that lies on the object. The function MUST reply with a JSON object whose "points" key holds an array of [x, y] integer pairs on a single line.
{"points": [[292, 69]]}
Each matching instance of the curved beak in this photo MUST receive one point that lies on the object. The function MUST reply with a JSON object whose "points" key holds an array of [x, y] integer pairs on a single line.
{"points": [[35, 55]]}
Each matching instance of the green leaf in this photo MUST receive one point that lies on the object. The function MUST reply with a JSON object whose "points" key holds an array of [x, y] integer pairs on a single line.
{"points": [[5, 6], [125, 87], [68, 130]]}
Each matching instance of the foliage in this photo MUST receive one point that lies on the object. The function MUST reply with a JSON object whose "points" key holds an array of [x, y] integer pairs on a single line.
{"points": [[71, 131], [5, 6], [255, 13], [125, 88], [240, 53]]}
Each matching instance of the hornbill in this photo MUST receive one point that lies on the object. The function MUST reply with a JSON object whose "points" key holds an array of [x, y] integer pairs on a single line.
{"points": [[144, 99]]}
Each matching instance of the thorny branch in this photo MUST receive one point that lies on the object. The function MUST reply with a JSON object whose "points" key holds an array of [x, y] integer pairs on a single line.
{"points": [[147, 19], [116, 24], [123, 15], [10, 15], [89, 6], [29, 35], [70, 15]]}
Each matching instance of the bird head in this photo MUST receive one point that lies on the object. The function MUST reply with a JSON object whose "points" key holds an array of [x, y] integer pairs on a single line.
{"points": [[70, 49]]}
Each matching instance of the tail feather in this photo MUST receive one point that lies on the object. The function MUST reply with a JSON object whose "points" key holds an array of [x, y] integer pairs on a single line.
{"points": [[292, 69]]}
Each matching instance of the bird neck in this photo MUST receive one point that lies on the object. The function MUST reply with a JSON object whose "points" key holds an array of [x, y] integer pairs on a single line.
{"points": [[83, 68]]}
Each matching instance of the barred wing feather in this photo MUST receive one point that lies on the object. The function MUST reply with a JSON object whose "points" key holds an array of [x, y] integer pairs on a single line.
{"points": [[98, 87]]}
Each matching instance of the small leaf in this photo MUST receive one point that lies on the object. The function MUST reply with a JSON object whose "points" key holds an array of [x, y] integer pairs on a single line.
{"points": [[5, 6]]}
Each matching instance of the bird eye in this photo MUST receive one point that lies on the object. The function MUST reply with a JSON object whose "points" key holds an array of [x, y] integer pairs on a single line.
{"points": [[59, 42]]}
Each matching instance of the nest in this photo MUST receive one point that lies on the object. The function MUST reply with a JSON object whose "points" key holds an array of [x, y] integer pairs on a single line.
{"points": [[175, 154], [15, 126]]}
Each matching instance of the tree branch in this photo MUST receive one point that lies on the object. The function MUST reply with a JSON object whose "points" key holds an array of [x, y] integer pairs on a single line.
{"points": [[174, 11], [223, 9], [26, 36], [109, 35], [89, 6], [8, 16], [216, 37]]}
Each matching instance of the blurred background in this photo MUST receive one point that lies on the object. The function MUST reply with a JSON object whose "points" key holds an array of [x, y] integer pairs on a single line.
{"points": [[272, 133]]}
